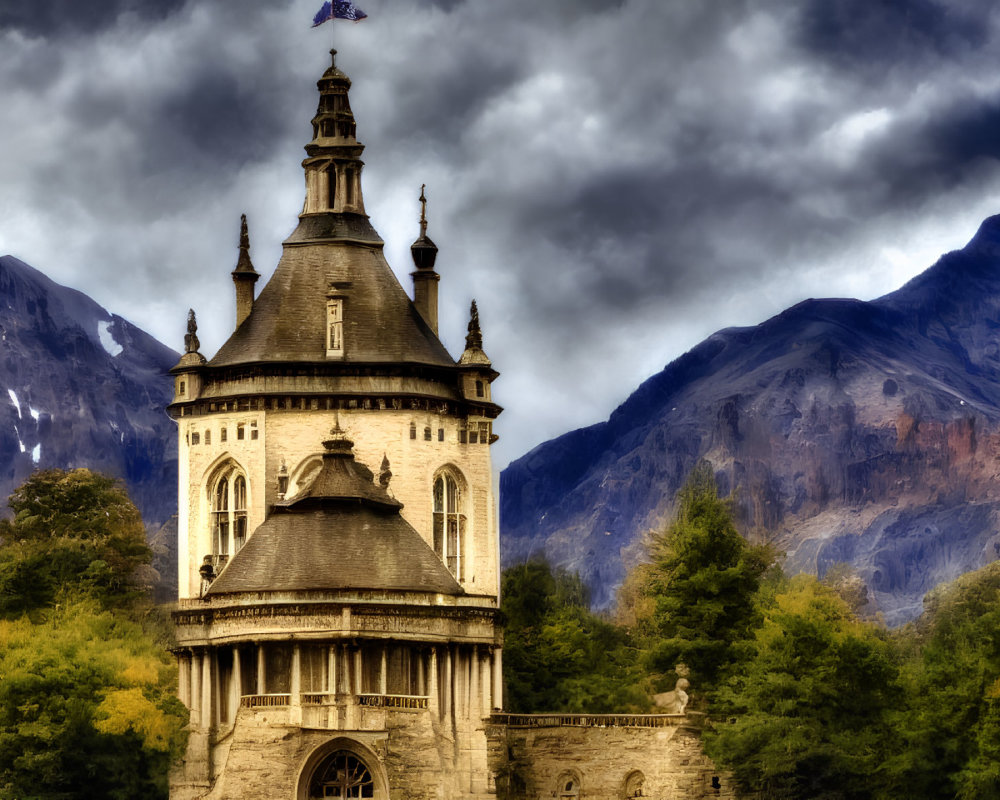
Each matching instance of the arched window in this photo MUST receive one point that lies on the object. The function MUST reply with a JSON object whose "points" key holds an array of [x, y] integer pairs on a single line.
{"points": [[229, 513], [449, 523], [568, 786], [220, 512], [634, 784], [342, 775], [239, 512]]}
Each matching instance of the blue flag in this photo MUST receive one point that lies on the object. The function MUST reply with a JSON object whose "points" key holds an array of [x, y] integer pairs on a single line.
{"points": [[338, 9]]}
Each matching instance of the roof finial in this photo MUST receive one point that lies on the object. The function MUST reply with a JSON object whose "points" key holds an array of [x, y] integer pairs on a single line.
{"points": [[474, 339], [244, 266], [423, 210], [385, 474], [191, 343]]}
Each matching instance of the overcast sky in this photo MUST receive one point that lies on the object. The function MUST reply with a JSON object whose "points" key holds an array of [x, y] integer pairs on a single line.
{"points": [[612, 180]]}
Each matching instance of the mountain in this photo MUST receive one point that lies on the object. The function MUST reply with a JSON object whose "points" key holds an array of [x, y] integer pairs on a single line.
{"points": [[858, 432], [81, 387]]}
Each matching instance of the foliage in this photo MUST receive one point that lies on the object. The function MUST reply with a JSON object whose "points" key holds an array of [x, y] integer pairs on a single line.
{"points": [[703, 581], [73, 530], [85, 700], [952, 730], [558, 655], [811, 710]]}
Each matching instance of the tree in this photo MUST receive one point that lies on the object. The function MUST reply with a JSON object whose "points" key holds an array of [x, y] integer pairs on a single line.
{"points": [[703, 580], [558, 655], [70, 529], [952, 727], [86, 707], [811, 712]]}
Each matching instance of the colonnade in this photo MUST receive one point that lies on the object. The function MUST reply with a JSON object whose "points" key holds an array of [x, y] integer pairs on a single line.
{"points": [[458, 681]]}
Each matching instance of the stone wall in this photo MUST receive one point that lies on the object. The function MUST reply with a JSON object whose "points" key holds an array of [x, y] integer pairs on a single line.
{"points": [[606, 762]]}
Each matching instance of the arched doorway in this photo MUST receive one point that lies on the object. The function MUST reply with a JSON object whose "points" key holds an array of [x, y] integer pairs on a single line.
{"points": [[342, 774], [342, 768]]}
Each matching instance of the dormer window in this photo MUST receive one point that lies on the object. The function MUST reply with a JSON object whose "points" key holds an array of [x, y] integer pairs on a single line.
{"points": [[335, 328]]}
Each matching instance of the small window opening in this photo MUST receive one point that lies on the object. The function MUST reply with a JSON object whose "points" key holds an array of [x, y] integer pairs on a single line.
{"points": [[413, 430], [334, 328], [440, 434], [241, 432], [480, 391], [208, 437], [427, 434], [182, 387], [223, 433], [195, 438], [253, 430]]}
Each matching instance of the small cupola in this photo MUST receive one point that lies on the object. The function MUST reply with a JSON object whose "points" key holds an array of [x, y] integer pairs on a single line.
{"points": [[425, 279], [187, 372], [478, 373], [333, 166], [244, 276]]}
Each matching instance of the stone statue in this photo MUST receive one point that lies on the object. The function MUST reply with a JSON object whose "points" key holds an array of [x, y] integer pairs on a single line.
{"points": [[191, 343], [673, 702]]}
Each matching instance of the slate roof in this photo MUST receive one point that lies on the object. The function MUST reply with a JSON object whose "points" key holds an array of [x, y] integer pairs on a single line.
{"points": [[341, 532], [342, 254]]}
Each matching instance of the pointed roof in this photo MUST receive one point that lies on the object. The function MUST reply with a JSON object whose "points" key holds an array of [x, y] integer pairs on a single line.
{"points": [[342, 531], [244, 266], [334, 252]]}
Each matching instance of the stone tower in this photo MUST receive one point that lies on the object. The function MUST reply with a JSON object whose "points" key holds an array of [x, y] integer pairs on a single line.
{"points": [[336, 627]]}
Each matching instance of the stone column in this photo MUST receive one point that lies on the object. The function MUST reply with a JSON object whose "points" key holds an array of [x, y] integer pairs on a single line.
{"points": [[475, 704], [331, 668], [357, 671], [421, 687], [433, 702], [486, 683], [447, 689], [295, 686], [261, 669], [498, 678], [237, 686], [195, 705], [184, 678], [383, 671], [206, 689]]}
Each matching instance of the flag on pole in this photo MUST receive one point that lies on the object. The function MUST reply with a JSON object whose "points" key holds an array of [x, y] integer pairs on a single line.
{"points": [[338, 9]]}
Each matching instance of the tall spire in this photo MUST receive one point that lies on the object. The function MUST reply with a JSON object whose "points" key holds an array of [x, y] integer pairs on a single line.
{"points": [[244, 276], [425, 279], [474, 355], [474, 338]]}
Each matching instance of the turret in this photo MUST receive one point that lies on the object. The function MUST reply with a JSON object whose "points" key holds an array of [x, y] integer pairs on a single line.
{"points": [[244, 276], [187, 371], [333, 166], [478, 371], [425, 279]]}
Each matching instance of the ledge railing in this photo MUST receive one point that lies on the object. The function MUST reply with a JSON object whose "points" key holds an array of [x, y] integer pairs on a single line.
{"points": [[397, 701], [392, 701], [587, 720], [265, 700]]}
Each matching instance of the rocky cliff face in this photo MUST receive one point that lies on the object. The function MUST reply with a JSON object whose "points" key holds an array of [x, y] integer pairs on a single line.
{"points": [[80, 387], [866, 433]]}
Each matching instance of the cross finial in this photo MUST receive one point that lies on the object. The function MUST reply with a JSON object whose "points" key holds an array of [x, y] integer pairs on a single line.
{"points": [[423, 210]]}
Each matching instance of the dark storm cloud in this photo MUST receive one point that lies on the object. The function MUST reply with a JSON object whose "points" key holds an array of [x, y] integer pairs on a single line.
{"points": [[870, 35], [611, 180], [57, 18]]}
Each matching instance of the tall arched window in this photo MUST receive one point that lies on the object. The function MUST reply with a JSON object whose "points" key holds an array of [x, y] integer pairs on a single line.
{"points": [[239, 513], [229, 513], [449, 523], [220, 513]]}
